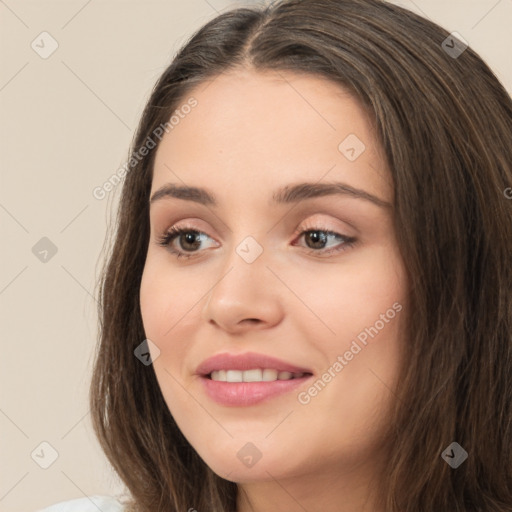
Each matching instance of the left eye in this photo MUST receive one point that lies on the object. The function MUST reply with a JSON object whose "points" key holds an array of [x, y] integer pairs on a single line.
{"points": [[191, 239], [320, 237], [186, 237]]}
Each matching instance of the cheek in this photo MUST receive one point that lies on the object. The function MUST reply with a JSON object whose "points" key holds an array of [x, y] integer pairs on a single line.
{"points": [[166, 299], [166, 323], [362, 351], [170, 302], [349, 298], [152, 302]]}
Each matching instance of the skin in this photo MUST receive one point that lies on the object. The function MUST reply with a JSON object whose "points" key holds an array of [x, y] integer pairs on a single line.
{"points": [[251, 133]]}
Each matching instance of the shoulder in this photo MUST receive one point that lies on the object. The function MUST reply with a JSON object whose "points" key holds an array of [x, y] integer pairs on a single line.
{"points": [[86, 504]]}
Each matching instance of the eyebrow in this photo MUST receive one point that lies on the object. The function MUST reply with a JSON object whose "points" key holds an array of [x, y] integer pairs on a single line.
{"points": [[285, 195]]}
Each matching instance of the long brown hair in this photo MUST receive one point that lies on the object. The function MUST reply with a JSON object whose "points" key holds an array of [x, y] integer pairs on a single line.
{"points": [[445, 124]]}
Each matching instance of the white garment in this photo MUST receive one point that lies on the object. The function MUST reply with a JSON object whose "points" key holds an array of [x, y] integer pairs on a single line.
{"points": [[89, 504]]}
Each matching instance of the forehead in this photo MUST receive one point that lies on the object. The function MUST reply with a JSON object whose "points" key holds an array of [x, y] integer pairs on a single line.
{"points": [[271, 127]]}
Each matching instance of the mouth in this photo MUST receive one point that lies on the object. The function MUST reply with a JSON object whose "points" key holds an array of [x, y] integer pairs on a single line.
{"points": [[254, 375], [239, 380]]}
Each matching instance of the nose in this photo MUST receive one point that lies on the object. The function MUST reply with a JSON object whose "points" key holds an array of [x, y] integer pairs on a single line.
{"points": [[245, 296]]}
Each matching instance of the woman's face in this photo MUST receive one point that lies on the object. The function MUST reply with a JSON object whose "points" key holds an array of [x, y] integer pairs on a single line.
{"points": [[308, 275]]}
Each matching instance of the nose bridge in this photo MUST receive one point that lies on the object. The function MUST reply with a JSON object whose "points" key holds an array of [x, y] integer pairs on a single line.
{"points": [[244, 270], [249, 244], [243, 290]]}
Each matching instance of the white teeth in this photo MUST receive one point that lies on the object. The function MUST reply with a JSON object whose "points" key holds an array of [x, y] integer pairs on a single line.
{"points": [[253, 375], [234, 376], [220, 375], [269, 375], [256, 375]]}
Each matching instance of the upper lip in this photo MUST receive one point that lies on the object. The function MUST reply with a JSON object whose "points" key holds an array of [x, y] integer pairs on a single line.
{"points": [[246, 361]]}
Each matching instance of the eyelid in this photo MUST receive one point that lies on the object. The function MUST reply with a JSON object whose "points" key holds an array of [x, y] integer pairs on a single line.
{"points": [[176, 230], [312, 224], [308, 225]]}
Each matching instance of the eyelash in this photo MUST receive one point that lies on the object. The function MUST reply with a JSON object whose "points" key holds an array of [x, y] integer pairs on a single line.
{"points": [[174, 232]]}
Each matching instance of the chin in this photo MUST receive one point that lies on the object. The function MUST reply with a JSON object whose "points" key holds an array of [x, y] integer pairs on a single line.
{"points": [[244, 462]]}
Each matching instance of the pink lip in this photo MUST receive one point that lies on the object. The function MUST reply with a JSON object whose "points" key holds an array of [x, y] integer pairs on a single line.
{"points": [[237, 394], [242, 394], [247, 361]]}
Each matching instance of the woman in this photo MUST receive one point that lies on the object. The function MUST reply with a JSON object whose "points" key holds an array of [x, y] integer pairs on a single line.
{"points": [[308, 302]]}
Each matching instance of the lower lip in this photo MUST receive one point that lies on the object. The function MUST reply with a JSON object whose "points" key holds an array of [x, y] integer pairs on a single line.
{"points": [[241, 394]]}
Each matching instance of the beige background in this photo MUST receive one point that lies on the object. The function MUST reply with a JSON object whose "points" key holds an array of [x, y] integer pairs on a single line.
{"points": [[67, 122]]}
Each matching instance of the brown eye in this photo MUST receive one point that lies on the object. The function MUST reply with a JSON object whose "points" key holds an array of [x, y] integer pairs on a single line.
{"points": [[316, 239], [189, 240]]}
